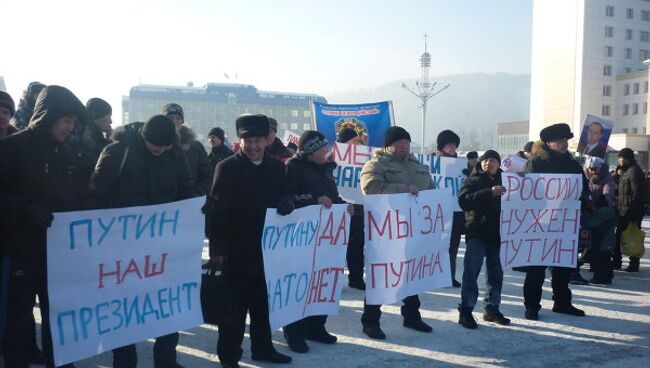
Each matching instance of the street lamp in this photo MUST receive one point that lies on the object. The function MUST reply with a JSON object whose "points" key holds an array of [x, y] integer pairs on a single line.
{"points": [[424, 90]]}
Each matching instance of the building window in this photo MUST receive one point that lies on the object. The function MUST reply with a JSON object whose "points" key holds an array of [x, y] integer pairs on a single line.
{"points": [[634, 130], [645, 108], [644, 55], [626, 90], [628, 53], [605, 110], [609, 51], [294, 113], [635, 89], [628, 34], [306, 126], [607, 91], [630, 13], [645, 87], [283, 125], [306, 114], [609, 11], [645, 15], [626, 110], [645, 36], [607, 70], [628, 70], [294, 126], [624, 130], [609, 32], [635, 109]]}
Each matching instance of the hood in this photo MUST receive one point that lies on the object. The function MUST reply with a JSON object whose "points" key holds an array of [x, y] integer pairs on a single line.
{"points": [[187, 137], [53, 103], [127, 133], [11, 129], [541, 151]]}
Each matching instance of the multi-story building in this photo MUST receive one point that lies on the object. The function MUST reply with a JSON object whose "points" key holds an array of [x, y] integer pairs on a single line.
{"points": [[511, 137], [588, 58], [219, 104]]}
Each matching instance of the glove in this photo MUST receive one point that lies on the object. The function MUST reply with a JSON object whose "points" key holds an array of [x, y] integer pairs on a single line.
{"points": [[285, 207], [40, 216]]}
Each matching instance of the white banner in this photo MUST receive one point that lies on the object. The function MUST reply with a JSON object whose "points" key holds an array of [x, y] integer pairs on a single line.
{"points": [[304, 261], [446, 172], [120, 276], [350, 159], [407, 244], [540, 220], [290, 137]]}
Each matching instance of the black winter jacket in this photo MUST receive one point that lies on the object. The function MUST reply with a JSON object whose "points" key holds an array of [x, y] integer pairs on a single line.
{"points": [[631, 185], [197, 158], [482, 209], [307, 181], [218, 154], [242, 191], [127, 174], [35, 170]]}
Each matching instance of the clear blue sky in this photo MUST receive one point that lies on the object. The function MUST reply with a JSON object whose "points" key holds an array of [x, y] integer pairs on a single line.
{"points": [[100, 48]]}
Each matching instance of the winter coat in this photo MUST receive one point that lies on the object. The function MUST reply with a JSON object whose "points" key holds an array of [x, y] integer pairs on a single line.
{"points": [[23, 115], [602, 222], [242, 191], [603, 188], [10, 130], [197, 158], [631, 199], [127, 174], [35, 171], [386, 174], [545, 160], [308, 181], [217, 155], [482, 209], [278, 150]]}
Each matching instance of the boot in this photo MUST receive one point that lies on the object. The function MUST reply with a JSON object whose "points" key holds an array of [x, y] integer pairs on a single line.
{"points": [[455, 283], [568, 309], [496, 317], [357, 284], [272, 356], [532, 314], [417, 325], [633, 266], [577, 279], [321, 336], [466, 319], [296, 343], [374, 332]]}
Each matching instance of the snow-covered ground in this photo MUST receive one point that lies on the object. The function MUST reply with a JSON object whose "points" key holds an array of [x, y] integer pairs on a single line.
{"points": [[615, 332]]}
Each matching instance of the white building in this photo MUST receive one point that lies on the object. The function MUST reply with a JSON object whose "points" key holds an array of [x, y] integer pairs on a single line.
{"points": [[588, 58]]}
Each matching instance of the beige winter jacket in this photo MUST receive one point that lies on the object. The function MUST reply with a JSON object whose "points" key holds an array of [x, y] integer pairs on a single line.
{"points": [[386, 174]]}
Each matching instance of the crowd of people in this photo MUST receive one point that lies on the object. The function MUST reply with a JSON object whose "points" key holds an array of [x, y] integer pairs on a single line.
{"points": [[57, 154]]}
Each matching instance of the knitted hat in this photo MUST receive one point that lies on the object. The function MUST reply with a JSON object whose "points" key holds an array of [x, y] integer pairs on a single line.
{"points": [[7, 102], [346, 134], [471, 155], [490, 154], [445, 137], [98, 108], [626, 153], [273, 124], [528, 147], [594, 162], [252, 125], [217, 132], [311, 141], [555, 132], [159, 130], [173, 108], [394, 134]]}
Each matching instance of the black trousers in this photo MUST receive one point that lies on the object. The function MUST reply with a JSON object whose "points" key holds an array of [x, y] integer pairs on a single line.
{"points": [[535, 275], [410, 311], [164, 353], [27, 279], [356, 241], [247, 294], [299, 330], [457, 227]]}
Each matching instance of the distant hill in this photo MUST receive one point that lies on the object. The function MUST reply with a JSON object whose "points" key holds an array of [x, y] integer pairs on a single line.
{"points": [[472, 106]]}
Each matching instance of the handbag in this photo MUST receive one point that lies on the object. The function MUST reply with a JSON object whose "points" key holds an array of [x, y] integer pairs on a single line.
{"points": [[213, 294], [632, 241]]}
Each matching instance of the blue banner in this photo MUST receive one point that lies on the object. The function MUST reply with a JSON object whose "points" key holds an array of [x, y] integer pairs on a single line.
{"points": [[369, 121]]}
